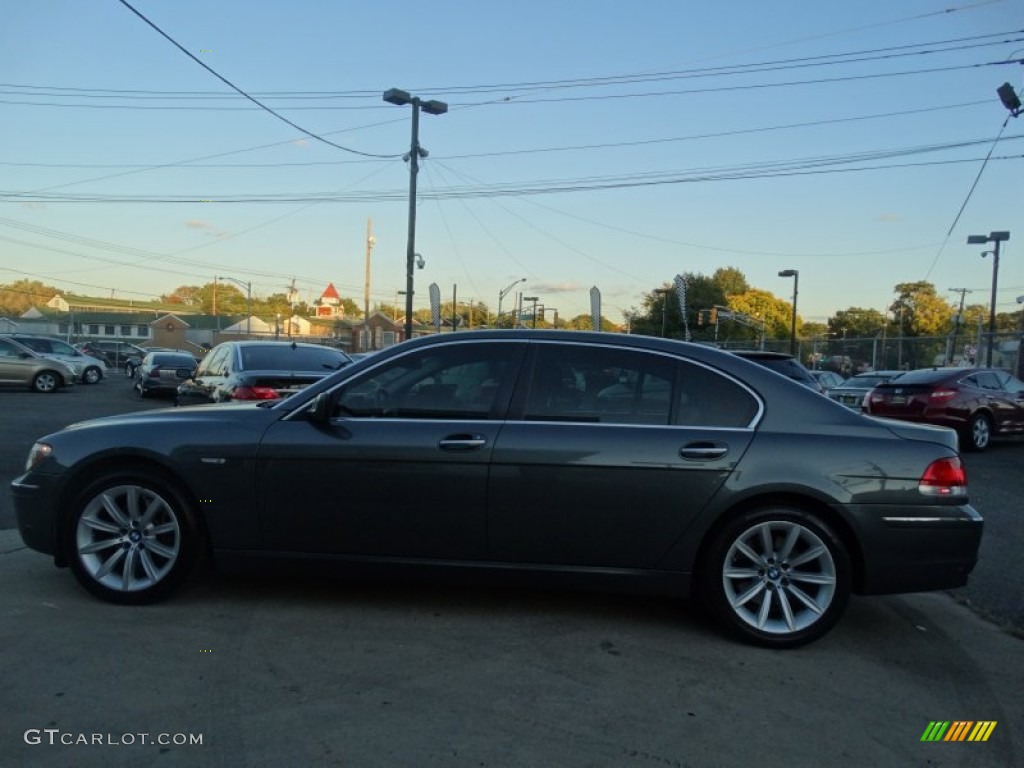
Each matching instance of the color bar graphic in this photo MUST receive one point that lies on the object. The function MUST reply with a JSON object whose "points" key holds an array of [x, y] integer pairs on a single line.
{"points": [[958, 730]]}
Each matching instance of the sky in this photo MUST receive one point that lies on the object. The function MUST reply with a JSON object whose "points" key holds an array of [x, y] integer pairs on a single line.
{"points": [[585, 144]]}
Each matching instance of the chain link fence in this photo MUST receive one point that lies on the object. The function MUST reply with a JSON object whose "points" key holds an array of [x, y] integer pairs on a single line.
{"points": [[879, 353]]}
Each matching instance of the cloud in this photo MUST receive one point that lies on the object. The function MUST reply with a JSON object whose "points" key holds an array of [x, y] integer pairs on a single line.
{"points": [[34, 206], [208, 229], [567, 287], [301, 143], [889, 217]]}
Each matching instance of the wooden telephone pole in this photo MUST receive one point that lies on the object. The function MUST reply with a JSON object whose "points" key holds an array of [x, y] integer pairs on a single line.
{"points": [[370, 242]]}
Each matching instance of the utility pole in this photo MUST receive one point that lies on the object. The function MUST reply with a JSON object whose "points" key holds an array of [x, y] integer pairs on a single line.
{"points": [[951, 352], [370, 242]]}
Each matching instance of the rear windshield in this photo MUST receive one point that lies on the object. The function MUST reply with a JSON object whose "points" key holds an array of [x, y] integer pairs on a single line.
{"points": [[924, 376], [787, 366], [864, 382], [284, 358], [174, 361]]}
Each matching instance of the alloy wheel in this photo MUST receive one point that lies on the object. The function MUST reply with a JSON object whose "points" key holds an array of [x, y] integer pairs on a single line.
{"points": [[779, 577], [128, 538]]}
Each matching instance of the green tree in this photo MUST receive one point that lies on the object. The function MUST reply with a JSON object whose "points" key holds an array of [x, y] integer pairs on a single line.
{"points": [[920, 311], [187, 295], [19, 296], [760, 305]]}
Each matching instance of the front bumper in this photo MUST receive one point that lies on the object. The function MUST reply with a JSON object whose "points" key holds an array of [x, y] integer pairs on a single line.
{"points": [[36, 510]]}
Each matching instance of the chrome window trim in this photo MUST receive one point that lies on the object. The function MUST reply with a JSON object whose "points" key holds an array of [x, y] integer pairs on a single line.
{"points": [[751, 425]]}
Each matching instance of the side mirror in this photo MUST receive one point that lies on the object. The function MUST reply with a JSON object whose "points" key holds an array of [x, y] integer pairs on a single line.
{"points": [[322, 408]]}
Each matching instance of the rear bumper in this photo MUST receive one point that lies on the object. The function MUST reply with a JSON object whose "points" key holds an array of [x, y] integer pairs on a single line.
{"points": [[935, 547]]}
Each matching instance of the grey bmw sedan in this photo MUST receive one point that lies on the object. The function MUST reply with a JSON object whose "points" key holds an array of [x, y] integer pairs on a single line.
{"points": [[626, 462]]}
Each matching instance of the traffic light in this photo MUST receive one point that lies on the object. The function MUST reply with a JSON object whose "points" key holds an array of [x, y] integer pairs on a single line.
{"points": [[713, 312], [700, 317]]}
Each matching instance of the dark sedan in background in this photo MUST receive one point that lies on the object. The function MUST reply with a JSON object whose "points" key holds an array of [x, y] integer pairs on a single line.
{"points": [[161, 372], [851, 392], [501, 453], [977, 402], [258, 370]]}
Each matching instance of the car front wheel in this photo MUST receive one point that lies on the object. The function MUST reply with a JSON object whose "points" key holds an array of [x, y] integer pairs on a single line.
{"points": [[979, 432], [45, 381], [779, 577], [130, 538], [92, 375]]}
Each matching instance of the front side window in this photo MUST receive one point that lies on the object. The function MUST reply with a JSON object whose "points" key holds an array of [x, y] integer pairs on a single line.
{"points": [[451, 381]]}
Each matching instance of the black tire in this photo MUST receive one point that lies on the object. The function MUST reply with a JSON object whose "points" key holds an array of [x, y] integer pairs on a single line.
{"points": [[91, 375], [46, 382], [794, 590], [131, 537], [978, 434]]}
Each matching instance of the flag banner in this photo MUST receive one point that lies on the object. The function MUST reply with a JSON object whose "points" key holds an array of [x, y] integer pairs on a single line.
{"points": [[435, 305], [680, 283]]}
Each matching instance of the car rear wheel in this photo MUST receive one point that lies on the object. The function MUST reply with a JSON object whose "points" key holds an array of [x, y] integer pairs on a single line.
{"points": [[979, 432], [45, 381], [779, 577], [92, 375], [131, 538]]}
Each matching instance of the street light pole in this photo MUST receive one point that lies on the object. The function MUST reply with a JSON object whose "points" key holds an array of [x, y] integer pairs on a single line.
{"points": [[503, 293], [997, 238], [664, 306], [248, 301], [795, 274], [400, 97]]}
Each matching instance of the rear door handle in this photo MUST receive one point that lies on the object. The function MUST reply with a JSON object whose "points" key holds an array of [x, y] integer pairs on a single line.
{"points": [[462, 442], [705, 449]]}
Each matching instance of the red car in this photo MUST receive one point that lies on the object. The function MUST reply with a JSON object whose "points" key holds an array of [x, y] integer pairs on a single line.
{"points": [[976, 402]]}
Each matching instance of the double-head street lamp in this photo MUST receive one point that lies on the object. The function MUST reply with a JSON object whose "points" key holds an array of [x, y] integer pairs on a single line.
{"points": [[503, 293], [795, 274], [997, 238], [400, 97]]}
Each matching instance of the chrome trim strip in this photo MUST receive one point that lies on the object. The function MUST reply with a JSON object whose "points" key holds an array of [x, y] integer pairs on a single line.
{"points": [[27, 486]]}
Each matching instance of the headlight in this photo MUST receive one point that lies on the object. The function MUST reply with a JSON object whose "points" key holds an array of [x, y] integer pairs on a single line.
{"points": [[37, 455]]}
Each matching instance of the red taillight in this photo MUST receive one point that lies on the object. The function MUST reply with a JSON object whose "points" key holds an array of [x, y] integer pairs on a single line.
{"points": [[254, 393], [155, 373], [944, 477], [941, 395]]}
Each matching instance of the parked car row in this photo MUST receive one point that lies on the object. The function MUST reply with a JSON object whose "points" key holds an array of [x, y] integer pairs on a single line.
{"points": [[20, 366], [85, 368]]}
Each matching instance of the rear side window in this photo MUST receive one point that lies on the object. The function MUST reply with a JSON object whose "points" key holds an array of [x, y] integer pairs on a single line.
{"points": [[580, 383], [709, 399]]}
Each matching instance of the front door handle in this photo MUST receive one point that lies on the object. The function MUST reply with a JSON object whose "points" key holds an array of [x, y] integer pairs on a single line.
{"points": [[704, 449], [462, 442]]}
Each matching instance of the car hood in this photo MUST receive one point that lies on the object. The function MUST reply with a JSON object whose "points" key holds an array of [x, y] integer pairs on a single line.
{"points": [[925, 433], [235, 412]]}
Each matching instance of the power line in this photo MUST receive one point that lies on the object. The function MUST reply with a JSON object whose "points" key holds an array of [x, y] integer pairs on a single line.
{"points": [[258, 103], [527, 151]]}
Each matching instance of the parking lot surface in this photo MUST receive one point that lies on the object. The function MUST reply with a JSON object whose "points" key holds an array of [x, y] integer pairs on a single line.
{"points": [[271, 670]]}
